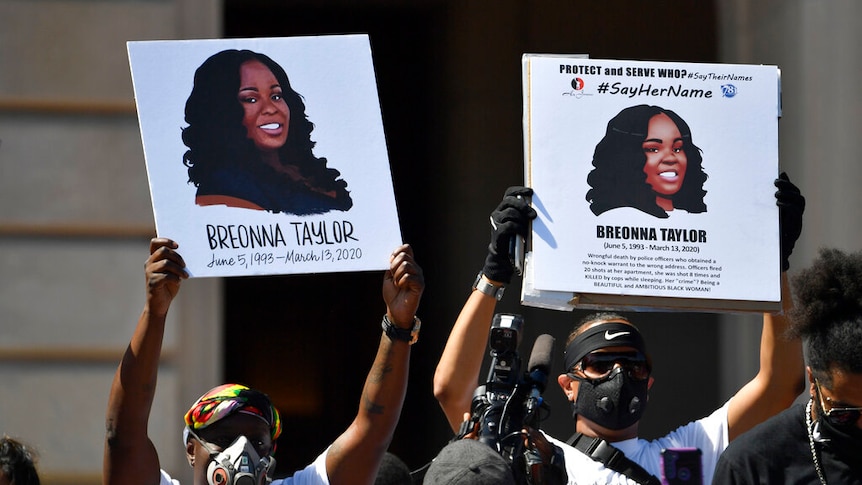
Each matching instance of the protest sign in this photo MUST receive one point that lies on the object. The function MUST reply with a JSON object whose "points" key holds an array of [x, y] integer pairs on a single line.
{"points": [[653, 184], [266, 156]]}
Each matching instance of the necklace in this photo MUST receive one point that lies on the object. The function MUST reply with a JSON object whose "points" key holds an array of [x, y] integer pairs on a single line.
{"points": [[811, 443]]}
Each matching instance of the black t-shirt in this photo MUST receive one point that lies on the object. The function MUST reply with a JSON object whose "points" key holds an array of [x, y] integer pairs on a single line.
{"points": [[778, 452]]}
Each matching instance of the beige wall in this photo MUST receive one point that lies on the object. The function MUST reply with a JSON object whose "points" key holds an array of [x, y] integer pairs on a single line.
{"points": [[75, 220], [816, 46]]}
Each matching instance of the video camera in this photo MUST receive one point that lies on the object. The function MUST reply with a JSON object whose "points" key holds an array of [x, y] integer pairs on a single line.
{"points": [[510, 399]]}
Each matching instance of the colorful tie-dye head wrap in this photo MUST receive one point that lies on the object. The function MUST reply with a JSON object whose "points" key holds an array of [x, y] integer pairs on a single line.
{"points": [[227, 399]]}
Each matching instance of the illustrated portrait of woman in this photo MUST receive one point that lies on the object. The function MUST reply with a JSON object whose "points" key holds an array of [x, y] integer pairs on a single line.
{"points": [[647, 160], [249, 140]]}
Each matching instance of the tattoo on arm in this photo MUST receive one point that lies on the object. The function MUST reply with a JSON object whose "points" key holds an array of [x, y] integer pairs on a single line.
{"points": [[371, 406], [376, 377], [379, 374], [380, 369]]}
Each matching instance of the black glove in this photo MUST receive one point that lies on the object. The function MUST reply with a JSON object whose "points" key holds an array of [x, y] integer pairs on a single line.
{"points": [[791, 205], [511, 218], [530, 467]]}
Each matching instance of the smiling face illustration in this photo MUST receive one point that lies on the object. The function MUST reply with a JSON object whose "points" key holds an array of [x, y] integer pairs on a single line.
{"points": [[666, 161], [266, 115], [648, 160]]}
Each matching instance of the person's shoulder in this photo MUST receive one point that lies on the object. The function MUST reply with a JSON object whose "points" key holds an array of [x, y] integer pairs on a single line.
{"points": [[313, 474], [570, 452], [710, 427], [770, 436], [585, 468], [786, 421]]}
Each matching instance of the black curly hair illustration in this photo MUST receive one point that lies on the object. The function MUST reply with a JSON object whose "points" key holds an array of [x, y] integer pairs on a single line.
{"points": [[223, 161], [619, 180], [827, 313]]}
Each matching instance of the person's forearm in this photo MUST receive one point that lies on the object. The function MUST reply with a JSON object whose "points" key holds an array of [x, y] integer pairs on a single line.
{"points": [[127, 450], [134, 383], [781, 360], [384, 390], [351, 456], [457, 373]]}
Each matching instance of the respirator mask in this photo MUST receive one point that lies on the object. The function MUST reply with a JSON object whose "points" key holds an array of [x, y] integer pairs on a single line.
{"points": [[238, 464], [610, 362], [614, 402]]}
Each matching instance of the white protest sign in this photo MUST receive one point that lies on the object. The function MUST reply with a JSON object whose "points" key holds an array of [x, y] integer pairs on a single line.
{"points": [[653, 179], [266, 156]]}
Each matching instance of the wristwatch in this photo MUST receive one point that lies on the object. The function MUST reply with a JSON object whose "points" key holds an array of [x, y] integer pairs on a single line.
{"points": [[487, 288], [394, 332]]}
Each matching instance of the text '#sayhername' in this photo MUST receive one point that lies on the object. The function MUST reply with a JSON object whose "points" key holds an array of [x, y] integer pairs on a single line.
{"points": [[679, 91]]}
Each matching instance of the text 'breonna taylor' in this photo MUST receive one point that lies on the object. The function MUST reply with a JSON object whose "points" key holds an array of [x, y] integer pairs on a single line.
{"points": [[315, 233], [651, 234]]}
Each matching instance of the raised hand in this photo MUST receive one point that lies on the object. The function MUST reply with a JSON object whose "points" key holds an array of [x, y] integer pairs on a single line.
{"points": [[403, 285], [791, 205], [511, 218], [165, 270]]}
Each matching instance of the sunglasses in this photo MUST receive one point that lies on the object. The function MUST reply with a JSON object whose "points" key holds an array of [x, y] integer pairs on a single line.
{"points": [[838, 416], [222, 443], [600, 365]]}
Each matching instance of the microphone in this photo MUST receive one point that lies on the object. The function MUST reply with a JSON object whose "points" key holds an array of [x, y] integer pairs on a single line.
{"points": [[539, 366]]}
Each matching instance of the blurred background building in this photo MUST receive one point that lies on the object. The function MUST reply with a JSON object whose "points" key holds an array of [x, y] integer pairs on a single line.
{"points": [[75, 214]]}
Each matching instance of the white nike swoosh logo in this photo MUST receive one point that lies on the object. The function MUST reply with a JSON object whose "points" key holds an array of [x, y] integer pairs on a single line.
{"points": [[611, 336]]}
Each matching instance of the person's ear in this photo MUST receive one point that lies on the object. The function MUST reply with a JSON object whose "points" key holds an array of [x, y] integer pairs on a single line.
{"points": [[811, 384], [190, 452], [565, 383], [650, 382]]}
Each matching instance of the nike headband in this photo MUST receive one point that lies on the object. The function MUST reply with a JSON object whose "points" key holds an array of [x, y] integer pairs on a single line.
{"points": [[610, 334]]}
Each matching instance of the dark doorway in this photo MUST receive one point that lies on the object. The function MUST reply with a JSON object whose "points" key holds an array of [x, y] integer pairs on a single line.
{"points": [[449, 83]]}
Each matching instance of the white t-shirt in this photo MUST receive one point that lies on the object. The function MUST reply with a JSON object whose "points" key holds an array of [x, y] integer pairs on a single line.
{"points": [[708, 434], [313, 474]]}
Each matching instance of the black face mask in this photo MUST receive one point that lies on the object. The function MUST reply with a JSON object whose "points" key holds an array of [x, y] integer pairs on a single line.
{"points": [[615, 402], [844, 440]]}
